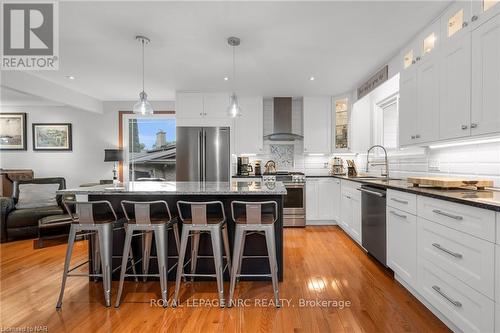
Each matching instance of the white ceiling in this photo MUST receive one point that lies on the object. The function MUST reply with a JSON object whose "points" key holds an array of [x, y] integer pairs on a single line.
{"points": [[283, 44]]}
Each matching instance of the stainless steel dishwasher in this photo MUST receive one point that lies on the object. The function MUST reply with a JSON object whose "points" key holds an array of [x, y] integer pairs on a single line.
{"points": [[373, 224]]}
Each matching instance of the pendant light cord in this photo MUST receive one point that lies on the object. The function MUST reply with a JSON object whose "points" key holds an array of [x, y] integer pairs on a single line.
{"points": [[234, 69], [142, 41]]}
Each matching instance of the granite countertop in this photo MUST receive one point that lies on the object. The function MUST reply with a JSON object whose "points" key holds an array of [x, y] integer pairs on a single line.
{"points": [[184, 188], [487, 199]]}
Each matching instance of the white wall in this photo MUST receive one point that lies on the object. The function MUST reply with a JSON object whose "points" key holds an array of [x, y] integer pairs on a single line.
{"points": [[92, 133]]}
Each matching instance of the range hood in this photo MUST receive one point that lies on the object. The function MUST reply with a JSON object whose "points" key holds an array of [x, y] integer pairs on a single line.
{"points": [[282, 130]]}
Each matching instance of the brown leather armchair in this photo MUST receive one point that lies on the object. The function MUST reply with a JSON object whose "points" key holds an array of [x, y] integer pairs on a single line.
{"points": [[23, 223]]}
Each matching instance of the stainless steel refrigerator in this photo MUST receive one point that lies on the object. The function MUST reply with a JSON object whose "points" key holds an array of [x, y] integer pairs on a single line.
{"points": [[202, 154]]}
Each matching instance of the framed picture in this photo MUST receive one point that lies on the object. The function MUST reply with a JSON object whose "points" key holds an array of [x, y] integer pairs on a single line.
{"points": [[52, 137], [13, 131]]}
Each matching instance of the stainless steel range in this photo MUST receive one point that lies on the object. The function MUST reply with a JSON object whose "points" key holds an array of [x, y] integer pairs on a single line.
{"points": [[294, 206]]}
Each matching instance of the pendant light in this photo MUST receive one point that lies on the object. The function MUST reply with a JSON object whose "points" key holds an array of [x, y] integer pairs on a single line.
{"points": [[143, 107], [234, 109]]}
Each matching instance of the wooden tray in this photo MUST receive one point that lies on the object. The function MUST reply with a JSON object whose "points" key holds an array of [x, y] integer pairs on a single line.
{"points": [[447, 182]]}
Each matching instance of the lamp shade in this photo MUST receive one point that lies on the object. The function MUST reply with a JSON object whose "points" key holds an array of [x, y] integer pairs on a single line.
{"points": [[113, 155]]}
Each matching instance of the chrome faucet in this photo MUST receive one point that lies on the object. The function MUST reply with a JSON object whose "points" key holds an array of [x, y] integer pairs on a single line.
{"points": [[373, 164]]}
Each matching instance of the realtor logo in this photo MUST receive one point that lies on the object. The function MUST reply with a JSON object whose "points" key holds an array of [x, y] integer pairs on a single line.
{"points": [[29, 36]]}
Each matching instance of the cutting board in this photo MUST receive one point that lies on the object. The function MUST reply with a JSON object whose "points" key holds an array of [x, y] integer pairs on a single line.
{"points": [[447, 182]]}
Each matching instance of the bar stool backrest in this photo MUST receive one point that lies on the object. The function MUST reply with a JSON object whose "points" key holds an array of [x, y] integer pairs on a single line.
{"points": [[199, 214], [253, 210], [142, 210], [84, 211]]}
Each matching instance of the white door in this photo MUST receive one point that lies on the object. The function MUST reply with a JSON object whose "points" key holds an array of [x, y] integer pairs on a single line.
{"points": [[312, 199], [215, 105], [455, 82], [346, 212], [317, 124], [336, 199], [326, 192], [356, 217], [189, 105], [485, 116], [402, 244], [249, 126], [427, 99], [408, 106]]}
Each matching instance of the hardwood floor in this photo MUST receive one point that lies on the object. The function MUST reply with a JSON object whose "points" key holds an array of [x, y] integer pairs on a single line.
{"points": [[321, 263]]}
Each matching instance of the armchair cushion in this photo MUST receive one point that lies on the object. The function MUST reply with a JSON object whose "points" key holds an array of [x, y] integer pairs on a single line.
{"points": [[37, 195], [30, 216]]}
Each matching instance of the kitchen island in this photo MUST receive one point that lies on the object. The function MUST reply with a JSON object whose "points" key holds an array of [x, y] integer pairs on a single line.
{"points": [[171, 192]]}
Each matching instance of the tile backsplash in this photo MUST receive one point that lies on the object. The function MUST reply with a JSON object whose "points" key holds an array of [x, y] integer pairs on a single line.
{"points": [[481, 160]]}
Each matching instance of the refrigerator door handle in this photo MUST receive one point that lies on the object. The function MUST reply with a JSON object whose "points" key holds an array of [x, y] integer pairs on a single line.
{"points": [[199, 156], [204, 148]]}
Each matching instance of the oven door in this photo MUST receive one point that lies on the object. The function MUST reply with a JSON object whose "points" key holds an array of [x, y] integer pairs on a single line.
{"points": [[294, 209]]}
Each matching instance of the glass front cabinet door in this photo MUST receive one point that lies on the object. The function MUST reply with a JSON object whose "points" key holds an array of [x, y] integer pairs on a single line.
{"points": [[483, 10], [341, 106]]}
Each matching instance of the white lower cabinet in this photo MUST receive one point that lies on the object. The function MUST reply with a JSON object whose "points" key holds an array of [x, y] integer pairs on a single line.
{"points": [[312, 199], [446, 253], [350, 212], [466, 308], [402, 244], [470, 259], [319, 195], [497, 283]]}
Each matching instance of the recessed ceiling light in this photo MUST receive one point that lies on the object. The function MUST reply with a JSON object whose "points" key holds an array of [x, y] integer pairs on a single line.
{"points": [[226, 78], [70, 77], [311, 78]]}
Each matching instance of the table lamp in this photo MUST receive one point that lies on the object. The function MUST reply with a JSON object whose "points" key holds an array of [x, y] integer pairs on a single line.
{"points": [[113, 155]]}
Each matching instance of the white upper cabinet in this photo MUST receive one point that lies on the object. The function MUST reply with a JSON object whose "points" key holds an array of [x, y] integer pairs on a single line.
{"points": [[361, 125], [407, 106], [455, 75], [206, 105], [317, 124], [215, 105], [419, 102], [483, 10], [485, 115], [249, 126], [427, 98], [189, 105]]}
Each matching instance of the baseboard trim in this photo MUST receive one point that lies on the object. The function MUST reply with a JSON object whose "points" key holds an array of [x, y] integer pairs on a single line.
{"points": [[320, 222]]}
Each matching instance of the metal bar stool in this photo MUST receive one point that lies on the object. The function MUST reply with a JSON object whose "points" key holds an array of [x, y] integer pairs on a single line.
{"points": [[201, 222], [149, 223], [253, 220], [100, 229]]}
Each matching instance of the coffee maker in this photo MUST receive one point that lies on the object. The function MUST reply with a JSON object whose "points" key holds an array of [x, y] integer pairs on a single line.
{"points": [[244, 167]]}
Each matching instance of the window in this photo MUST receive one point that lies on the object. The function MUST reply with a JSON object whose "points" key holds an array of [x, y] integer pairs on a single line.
{"points": [[341, 123], [150, 151], [455, 22], [429, 42], [408, 59]]}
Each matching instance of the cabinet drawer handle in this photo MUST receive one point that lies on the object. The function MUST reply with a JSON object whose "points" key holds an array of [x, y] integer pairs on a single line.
{"points": [[417, 136], [439, 247], [464, 127], [448, 298], [413, 137], [474, 18], [400, 201], [398, 215], [473, 125], [456, 217]]}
